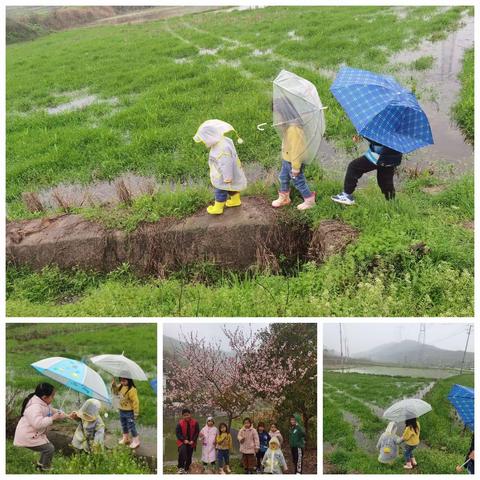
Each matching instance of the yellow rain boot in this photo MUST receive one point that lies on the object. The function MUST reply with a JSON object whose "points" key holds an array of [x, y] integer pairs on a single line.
{"points": [[234, 200], [216, 209]]}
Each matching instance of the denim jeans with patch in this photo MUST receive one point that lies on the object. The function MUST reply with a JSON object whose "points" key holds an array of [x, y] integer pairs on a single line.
{"points": [[127, 420], [299, 182]]}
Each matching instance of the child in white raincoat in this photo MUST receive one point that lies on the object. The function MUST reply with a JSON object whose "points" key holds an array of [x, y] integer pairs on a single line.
{"points": [[387, 444], [90, 433], [273, 461], [208, 436], [226, 173]]}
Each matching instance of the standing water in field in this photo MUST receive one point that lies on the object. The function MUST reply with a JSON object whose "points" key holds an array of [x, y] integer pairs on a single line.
{"points": [[438, 88]]}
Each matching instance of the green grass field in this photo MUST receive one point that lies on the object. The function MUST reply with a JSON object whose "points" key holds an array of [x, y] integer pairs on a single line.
{"points": [[159, 81], [349, 445]]}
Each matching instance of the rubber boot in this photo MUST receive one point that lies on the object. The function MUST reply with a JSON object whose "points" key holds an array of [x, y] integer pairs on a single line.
{"points": [[216, 209], [282, 200], [408, 466], [234, 200], [227, 469], [124, 440], [414, 462], [135, 442], [307, 202]]}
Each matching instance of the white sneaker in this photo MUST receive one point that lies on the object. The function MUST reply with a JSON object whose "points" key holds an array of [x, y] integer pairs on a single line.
{"points": [[344, 199]]}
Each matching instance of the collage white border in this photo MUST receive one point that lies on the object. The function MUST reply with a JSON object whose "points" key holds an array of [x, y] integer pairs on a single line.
{"points": [[161, 321]]}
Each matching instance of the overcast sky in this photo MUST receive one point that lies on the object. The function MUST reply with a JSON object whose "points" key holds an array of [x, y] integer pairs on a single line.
{"points": [[365, 336], [212, 331]]}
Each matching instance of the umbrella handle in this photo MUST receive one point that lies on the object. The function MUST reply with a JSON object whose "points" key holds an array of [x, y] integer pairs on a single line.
{"points": [[261, 126]]}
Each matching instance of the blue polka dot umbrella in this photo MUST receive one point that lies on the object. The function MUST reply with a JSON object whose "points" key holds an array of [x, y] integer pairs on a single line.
{"points": [[463, 399], [74, 375], [382, 110]]}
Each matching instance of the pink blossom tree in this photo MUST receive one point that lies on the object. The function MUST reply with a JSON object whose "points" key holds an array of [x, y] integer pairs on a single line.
{"points": [[203, 375]]}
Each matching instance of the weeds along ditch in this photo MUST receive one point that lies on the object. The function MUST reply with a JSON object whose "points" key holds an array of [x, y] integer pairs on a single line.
{"points": [[352, 408], [414, 256]]}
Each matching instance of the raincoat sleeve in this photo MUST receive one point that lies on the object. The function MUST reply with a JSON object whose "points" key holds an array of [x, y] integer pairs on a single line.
{"points": [[282, 459], [133, 397], [36, 418], [99, 435], [225, 165], [241, 435], [230, 442], [280, 438], [379, 443]]}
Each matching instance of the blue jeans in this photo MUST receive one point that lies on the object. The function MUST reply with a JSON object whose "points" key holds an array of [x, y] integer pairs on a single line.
{"points": [[408, 452], [223, 457], [222, 195], [299, 182], [127, 421]]}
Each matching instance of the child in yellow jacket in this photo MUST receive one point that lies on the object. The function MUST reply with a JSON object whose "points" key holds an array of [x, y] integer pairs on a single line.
{"points": [[411, 437], [129, 410], [294, 155], [224, 445]]}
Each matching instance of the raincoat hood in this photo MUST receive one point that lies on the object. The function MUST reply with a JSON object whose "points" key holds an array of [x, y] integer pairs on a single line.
{"points": [[274, 441], [212, 131], [90, 410], [298, 419], [391, 428]]}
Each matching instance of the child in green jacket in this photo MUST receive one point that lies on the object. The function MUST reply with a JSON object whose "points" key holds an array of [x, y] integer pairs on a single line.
{"points": [[297, 442]]}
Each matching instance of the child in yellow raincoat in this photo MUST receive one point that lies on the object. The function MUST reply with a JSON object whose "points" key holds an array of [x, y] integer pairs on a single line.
{"points": [[226, 172], [294, 156]]}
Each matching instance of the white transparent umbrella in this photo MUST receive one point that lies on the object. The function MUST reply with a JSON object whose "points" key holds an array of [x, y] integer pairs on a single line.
{"points": [[119, 366], [296, 102], [406, 409]]}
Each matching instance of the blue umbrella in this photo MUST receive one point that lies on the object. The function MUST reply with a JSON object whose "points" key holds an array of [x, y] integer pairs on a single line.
{"points": [[382, 110], [153, 384], [74, 375], [463, 399]]}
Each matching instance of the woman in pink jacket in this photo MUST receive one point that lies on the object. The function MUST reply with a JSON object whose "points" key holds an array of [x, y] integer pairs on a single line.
{"points": [[249, 446], [36, 417]]}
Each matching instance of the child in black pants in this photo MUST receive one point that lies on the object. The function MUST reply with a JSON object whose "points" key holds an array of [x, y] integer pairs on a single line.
{"points": [[378, 157]]}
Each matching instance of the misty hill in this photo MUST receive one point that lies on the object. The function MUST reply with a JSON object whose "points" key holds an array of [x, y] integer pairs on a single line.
{"points": [[409, 352], [172, 345]]}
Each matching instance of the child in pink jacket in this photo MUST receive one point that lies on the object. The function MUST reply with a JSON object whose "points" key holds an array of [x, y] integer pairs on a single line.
{"points": [[36, 417], [249, 446]]}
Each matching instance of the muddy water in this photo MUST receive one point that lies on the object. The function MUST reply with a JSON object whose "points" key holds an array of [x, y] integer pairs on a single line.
{"points": [[438, 89]]}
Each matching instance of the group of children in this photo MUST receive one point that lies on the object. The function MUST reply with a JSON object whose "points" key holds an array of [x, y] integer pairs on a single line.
{"points": [[37, 416], [261, 450], [389, 442], [228, 178]]}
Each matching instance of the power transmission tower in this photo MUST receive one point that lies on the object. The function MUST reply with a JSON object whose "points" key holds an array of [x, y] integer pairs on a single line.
{"points": [[421, 334], [421, 341], [469, 331], [341, 346]]}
